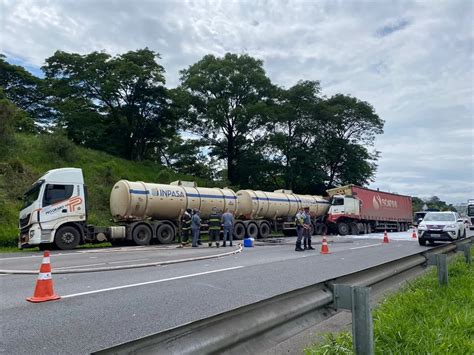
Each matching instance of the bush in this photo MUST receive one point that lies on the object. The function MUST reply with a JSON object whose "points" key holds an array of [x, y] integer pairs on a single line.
{"points": [[60, 146]]}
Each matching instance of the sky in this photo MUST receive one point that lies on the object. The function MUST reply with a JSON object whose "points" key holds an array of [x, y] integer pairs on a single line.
{"points": [[412, 60]]}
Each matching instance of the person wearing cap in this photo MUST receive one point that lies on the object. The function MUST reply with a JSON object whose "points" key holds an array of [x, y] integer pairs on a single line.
{"points": [[299, 220], [186, 227], [307, 230], [196, 227], [214, 227]]}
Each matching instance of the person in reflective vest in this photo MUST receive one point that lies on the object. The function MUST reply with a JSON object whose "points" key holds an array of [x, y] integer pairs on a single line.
{"points": [[299, 220], [307, 229], [214, 227], [186, 227]]}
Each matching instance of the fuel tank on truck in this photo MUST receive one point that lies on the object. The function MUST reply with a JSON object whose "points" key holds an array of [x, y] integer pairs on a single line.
{"points": [[131, 200], [280, 203]]}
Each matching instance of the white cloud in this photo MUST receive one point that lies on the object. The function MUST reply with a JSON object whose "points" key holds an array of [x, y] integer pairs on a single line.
{"points": [[411, 60]]}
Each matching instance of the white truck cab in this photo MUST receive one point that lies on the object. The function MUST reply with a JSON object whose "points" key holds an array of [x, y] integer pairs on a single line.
{"points": [[54, 210]]}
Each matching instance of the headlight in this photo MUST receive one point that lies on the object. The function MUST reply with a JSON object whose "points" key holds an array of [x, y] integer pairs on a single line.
{"points": [[450, 226], [32, 233], [422, 227]]}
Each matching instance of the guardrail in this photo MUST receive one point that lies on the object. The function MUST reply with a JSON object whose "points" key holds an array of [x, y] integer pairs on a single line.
{"points": [[259, 326]]}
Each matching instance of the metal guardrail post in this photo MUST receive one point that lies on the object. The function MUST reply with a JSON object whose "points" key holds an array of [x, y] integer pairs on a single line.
{"points": [[440, 261], [357, 300], [466, 248]]}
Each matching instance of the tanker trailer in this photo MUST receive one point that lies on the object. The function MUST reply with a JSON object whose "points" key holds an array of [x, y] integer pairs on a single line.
{"points": [[258, 210], [55, 210], [154, 210]]}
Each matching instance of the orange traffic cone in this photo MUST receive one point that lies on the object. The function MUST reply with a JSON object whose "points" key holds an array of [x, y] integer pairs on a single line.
{"points": [[44, 285], [324, 246], [413, 235], [385, 237]]}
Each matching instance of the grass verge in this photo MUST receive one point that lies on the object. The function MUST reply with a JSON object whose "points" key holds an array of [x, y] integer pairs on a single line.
{"points": [[422, 318]]}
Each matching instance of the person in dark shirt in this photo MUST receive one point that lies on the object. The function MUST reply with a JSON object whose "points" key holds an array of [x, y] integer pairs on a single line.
{"points": [[196, 227]]}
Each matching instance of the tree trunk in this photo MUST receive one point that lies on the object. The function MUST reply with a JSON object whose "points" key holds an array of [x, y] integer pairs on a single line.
{"points": [[231, 164]]}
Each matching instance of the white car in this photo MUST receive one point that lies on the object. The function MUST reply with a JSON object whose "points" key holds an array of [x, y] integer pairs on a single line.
{"points": [[441, 226]]}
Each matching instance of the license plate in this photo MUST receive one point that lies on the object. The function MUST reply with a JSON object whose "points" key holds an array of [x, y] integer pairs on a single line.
{"points": [[435, 235]]}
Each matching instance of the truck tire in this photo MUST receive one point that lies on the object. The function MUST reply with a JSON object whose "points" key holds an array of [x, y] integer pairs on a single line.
{"points": [[67, 238], [354, 229], [343, 228], [252, 230], [239, 231], [264, 230], [165, 234], [142, 234]]}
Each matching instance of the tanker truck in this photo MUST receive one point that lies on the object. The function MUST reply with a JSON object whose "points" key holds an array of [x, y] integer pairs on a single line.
{"points": [[56, 206]]}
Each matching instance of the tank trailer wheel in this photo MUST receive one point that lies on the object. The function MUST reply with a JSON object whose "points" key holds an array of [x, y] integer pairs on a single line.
{"points": [[354, 229], [264, 230], [239, 231], [141, 234], [165, 234], [67, 238], [252, 230]]}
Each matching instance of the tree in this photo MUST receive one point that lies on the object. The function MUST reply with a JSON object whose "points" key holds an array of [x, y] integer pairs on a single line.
{"points": [[228, 101], [292, 130], [24, 90], [117, 104], [350, 126]]}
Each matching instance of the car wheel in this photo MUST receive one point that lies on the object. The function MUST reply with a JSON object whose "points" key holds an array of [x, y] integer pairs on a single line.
{"points": [[422, 241]]}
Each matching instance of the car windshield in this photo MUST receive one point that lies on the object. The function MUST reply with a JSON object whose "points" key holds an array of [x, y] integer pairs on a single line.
{"points": [[441, 217], [31, 195]]}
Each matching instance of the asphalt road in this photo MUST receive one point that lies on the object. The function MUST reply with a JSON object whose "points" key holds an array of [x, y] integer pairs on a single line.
{"points": [[101, 309]]}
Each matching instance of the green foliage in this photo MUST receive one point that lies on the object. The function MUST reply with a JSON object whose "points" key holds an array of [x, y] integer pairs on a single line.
{"points": [[31, 156], [25, 90], [115, 104], [227, 105], [432, 203], [424, 318]]}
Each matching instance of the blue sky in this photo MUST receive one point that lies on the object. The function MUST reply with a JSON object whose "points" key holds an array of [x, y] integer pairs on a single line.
{"points": [[412, 60]]}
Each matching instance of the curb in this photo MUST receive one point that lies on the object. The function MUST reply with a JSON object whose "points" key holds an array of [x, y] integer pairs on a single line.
{"points": [[123, 267]]}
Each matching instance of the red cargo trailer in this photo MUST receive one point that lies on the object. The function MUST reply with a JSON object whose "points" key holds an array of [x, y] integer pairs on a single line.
{"points": [[358, 210]]}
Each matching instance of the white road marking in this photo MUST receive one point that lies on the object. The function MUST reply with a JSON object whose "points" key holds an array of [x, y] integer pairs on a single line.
{"points": [[150, 282], [366, 246]]}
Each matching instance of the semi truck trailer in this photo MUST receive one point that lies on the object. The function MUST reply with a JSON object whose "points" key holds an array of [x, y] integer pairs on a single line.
{"points": [[358, 210], [55, 211], [470, 212]]}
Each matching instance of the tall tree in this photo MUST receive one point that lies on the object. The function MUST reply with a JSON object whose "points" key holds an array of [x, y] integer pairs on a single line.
{"points": [[24, 90], [292, 130], [227, 104], [349, 129], [117, 104]]}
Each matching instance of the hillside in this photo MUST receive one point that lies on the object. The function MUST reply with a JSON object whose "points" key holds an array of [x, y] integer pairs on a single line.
{"points": [[24, 159]]}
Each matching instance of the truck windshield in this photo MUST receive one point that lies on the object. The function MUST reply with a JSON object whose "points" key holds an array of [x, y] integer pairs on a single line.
{"points": [[442, 217], [31, 195], [470, 211], [338, 202]]}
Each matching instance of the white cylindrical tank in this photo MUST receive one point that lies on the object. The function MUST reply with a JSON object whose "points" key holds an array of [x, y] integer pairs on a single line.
{"points": [[139, 200], [281, 203]]}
